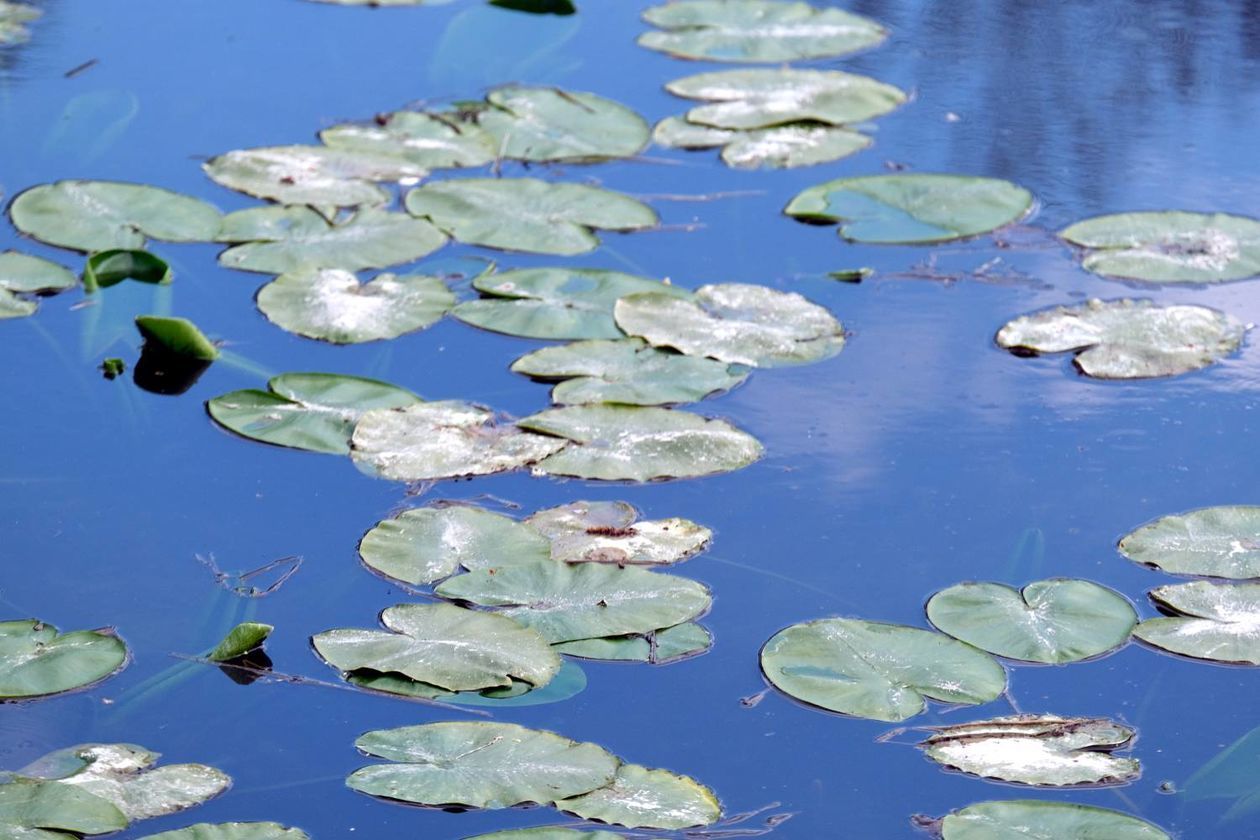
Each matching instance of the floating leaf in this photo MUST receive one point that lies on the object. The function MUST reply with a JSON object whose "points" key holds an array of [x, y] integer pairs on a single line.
{"points": [[13, 20], [912, 209], [1036, 819], [33, 810], [432, 141], [629, 443], [240, 640], [232, 831], [524, 214], [875, 670], [315, 411], [1219, 622], [316, 175], [1169, 247], [650, 543], [735, 322], [177, 336], [579, 517], [109, 268], [1219, 542], [36, 660], [1057, 620], [1127, 339], [658, 648], [643, 798], [1036, 750], [756, 30], [783, 147], [21, 275], [546, 124], [569, 682]]}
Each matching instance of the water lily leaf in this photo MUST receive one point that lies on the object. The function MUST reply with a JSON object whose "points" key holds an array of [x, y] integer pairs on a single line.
{"points": [[34, 810], [525, 214], [579, 517], [545, 124], [912, 209], [479, 765], [1219, 542], [756, 30], [283, 239], [735, 322], [100, 215], [33, 275], [560, 303], [109, 268], [316, 175], [651, 543], [1036, 750], [314, 411], [445, 646], [548, 834], [628, 372], [432, 141], [1039, 820], [36, 660], [15, 306], [232, 831], [583, 601], [879, 671], [1169, 247], [444, 439], [13, 17], [240, 640], [178, 336], [782, 147], [658, 648], [1219, 622], [569, 682], [333, 305], [1127, 339], [1057, 620], [642, 798]]}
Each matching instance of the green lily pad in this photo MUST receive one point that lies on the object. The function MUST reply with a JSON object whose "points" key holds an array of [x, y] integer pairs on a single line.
{"points": [[630, 443], [1055, 621], [232, 831], [178, 336], [333, 305], [100, 215], [13, 20], [1044, 820], [1219, 622], [782, 147], [660, 647], [568, 682], [879, 671], [15, 306], [36, 660], [579, 517], [22, 275], [559, 303], [583, 601], [1169, 247], [1045, 750], [433, 141], [913, 209], [757, 30], [109, 268], [445, 646], [479, 765], [240, 640], [1219, 542], [315, 175], [34, 810], [649, 543], [313, 411], [735, 322], [549, 124], [1127, 339], [642, 798], [525, 214]]}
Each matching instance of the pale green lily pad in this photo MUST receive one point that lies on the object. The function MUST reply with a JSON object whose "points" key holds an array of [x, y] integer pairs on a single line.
{"points": [[630, 443], [1044, 750], [1037, 820], [549, 124], [331, 304], [37, 661], [559, 303], [232, 831], [22, 275], [525, 214], [661, 542], [1219, 622], [433, 141], [875, 670], [1054, 621], [658, 648], [583, 601], [1219, 542], [913, 209], [757, 30], [783, 147], [626, 371], [579, 517], [735, 322], [1127, 339], [1169, 247], [240, 640], [313, 411], [276, 240], [479, 765], [315, 175], [15, 306], [642, 798], [568, 682], [100, 215], [445, 439], [13, 20], [34, 810]]}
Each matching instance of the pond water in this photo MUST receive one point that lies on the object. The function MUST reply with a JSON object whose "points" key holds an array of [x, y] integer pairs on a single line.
{"points": [[919, 457]]}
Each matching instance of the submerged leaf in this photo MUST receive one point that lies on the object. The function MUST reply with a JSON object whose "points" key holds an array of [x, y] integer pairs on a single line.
{"points": [[1219, 622], [658, 648], [1219, 542], [642, 798], [569, 682], [240, 640], [318, 176], [36, 660], [35, 810], [232, 831], [1169, 247], [22, 275], [1027, 818]]}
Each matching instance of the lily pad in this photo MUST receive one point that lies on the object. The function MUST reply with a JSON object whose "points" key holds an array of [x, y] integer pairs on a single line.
{"points": [[1054, 621], [568, 682], [313, 411], [560, 303], [913, 209], [648, 543], [36, 660], [579, 517], [1039, 820], [333, 305], [13, 20], [109, 268], [240, 640], [1169, 247], [629, 443], [642, 798], [445, 646], [735, 322], [658, 648], [879, 671], [757, 30], [1127, 339], [22, 275], [433, 141], [318, 176], [1045, 750], [100, 215], [232, 831], [1219, 622], [525, 214], [1219, 542], [550, 124], [34, 810], [479, 765], [177, 336], [782, 147]]}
